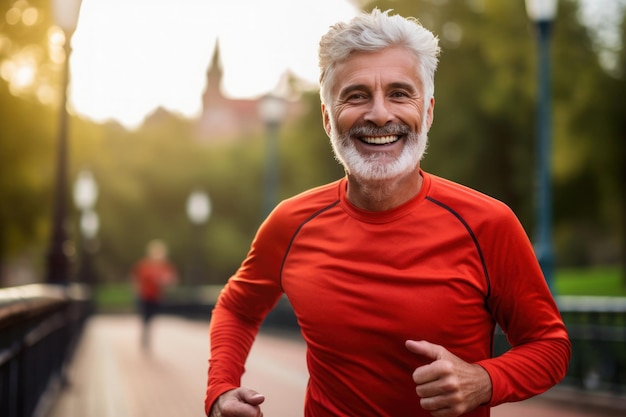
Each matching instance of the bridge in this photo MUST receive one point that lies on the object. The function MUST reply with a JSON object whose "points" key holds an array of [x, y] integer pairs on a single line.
{"points": [[107, 373], [112, 376]]}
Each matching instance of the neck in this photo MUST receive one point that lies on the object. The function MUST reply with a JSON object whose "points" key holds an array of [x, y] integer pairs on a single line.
{"points": [[380, 195]]}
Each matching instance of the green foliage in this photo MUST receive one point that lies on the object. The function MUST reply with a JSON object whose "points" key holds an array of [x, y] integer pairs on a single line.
{"points": [[600, 281], [306, 157], [146, 177], [115, 296], [25, 161], [484, 129], [26, 146], [484, 107], [483, 136]]}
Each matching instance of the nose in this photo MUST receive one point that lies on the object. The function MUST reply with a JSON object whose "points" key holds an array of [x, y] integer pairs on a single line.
{"points": [[378, 112]]}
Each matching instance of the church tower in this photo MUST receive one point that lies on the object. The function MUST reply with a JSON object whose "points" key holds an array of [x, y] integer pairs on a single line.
{"points": [[225, 118], [212, 94]]}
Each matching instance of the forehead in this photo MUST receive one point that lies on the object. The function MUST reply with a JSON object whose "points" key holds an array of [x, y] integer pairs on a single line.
{"points": [[380, 68]]}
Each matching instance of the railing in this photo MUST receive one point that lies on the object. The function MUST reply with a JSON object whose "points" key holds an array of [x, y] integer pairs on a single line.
{"points": [[597, 330], [39, 327]]}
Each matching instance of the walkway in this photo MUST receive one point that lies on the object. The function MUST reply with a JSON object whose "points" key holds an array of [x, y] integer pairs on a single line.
{"points": [[111, 376]]}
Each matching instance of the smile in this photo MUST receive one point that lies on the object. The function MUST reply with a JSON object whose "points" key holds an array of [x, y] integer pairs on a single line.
{"points": [[379, 140]]}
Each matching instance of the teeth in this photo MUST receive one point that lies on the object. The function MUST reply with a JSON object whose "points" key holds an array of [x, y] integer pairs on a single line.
{"points": [[379, 140]]}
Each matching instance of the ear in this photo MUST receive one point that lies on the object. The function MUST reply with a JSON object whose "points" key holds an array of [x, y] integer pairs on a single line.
{"points": [[326, 119], [430, 114]]}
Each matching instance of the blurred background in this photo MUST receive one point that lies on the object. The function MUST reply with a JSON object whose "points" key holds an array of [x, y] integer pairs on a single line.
{"points": [[162, 104], [127, 121]]}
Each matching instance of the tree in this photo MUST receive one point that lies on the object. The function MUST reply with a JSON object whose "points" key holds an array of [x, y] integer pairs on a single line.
{"points": [[25, 146], [483, 133], [483, 136]]}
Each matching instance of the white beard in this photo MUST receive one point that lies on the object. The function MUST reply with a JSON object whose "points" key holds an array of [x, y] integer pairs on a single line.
{"points": [[374, 167]]}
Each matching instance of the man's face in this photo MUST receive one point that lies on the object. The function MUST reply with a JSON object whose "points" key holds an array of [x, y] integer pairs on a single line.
{"points": [[377, 121]]}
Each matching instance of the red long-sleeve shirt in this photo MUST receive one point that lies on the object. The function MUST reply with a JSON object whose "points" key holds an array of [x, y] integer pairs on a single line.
{"points": [[150, 275], [444, 267]]}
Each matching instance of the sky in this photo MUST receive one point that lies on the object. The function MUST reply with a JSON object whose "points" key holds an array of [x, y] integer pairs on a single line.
{"points": [[131, 57]]}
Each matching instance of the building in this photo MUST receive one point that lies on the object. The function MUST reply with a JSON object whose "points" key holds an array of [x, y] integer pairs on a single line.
{"points": [[225, 119]]}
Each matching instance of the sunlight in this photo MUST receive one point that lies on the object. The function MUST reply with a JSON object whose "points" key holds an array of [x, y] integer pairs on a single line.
{"points": [[22, 77], [21, 70], [22, 12], [13, 16], [56, 40], [46, 94], [30, 16], [130, 58]]}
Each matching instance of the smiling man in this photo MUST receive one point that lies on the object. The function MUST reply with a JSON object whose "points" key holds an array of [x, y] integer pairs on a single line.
{"points": [[397, 277]]}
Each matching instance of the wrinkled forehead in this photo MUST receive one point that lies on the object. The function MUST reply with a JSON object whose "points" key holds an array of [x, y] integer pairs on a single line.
{"points": [[389, 66]]}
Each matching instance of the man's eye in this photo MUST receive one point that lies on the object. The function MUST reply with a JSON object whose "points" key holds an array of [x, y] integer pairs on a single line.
{"points": [[356, 96], [399, 94]]}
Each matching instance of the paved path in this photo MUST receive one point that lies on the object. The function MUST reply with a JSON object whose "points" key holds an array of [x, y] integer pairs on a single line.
{"points": [[111, 376]]}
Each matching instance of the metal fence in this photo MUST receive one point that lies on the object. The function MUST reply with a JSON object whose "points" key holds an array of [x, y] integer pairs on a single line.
{"points": [[597, 330], [39, 327]]}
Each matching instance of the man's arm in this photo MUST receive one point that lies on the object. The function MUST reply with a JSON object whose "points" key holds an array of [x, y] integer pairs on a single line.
{"points": [[242, 306], [231, 339], [522, 305]]}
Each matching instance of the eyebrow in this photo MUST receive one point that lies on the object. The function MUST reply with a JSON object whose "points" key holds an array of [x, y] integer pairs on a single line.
{"points": [[404, 86]]}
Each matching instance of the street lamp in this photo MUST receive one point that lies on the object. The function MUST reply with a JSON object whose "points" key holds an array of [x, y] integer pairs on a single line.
{"points": [[65, 14], [543, 13], [272, 111], [85, 196], [198, 212], [198, 207], [89, 225], [85, 191]]}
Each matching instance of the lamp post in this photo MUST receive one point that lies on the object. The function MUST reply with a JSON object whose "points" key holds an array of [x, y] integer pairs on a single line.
{"points": [[272, 110], [543, 13], [85, 196], [198, 212], [85, 191], [66, 17]]}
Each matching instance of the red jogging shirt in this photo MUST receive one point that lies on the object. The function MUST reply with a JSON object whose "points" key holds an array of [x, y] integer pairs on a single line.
{"points": [[444, 267]]}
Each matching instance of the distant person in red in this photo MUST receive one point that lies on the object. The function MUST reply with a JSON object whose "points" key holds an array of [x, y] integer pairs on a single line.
{"points": [[150, 274]]}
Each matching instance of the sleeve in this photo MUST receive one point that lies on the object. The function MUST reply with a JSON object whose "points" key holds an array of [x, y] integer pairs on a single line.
{"points": [[521, 303], [242, 306]]}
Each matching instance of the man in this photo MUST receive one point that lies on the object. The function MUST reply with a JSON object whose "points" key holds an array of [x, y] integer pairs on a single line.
{"points": [[150, 274], [397, 277]]}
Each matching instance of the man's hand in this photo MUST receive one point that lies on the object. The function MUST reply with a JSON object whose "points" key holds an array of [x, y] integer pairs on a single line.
{"points": [[239, 402], [448, 386]]}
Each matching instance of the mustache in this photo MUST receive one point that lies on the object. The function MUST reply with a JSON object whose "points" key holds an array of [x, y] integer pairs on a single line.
{"points": [[373, 130]]}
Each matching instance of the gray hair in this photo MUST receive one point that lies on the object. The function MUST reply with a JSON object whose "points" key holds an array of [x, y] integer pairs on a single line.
{"points": [[368, 32]]}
